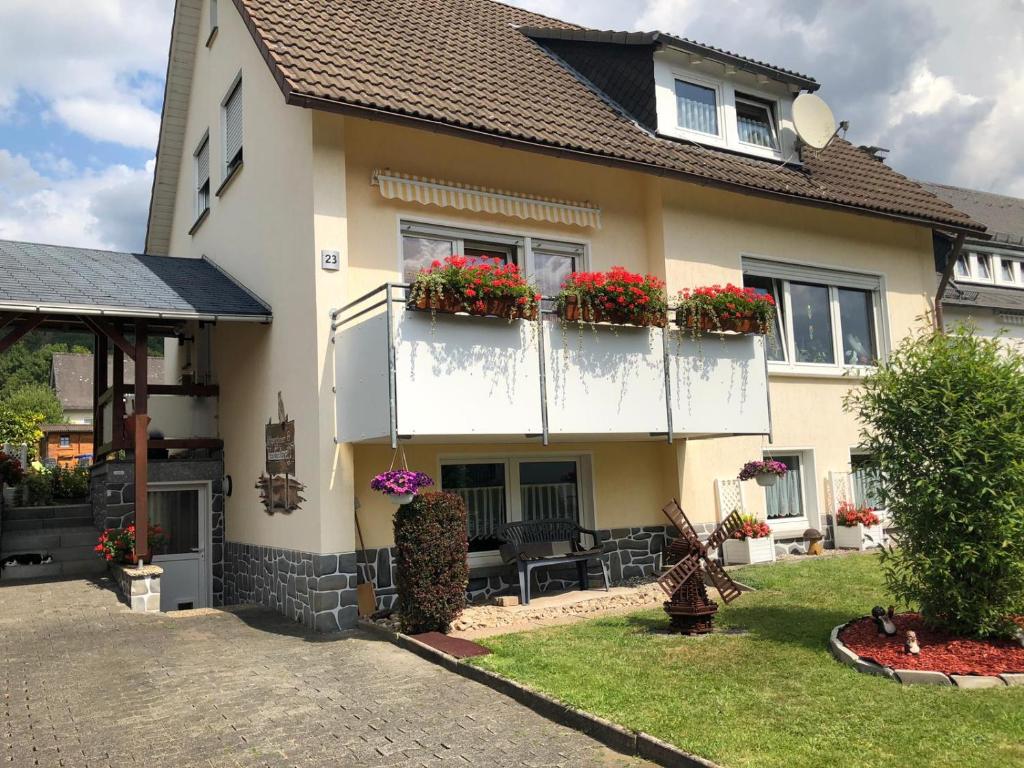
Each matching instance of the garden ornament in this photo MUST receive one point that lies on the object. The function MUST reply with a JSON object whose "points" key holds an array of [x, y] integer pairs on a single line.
{"points": [[910, 644], [884, 621]]}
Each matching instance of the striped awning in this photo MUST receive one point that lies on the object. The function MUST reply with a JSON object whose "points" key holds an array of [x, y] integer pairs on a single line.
{"points": [[464, 197]]}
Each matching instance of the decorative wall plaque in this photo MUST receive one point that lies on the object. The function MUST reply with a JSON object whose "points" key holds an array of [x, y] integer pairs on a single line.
{"points": [[279, 490]]}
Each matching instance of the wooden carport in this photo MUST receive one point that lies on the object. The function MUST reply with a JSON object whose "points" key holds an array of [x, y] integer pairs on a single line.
{"points": [[123, 299]]}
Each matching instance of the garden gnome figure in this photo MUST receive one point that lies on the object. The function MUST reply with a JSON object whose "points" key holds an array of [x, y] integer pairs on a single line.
{"points": [[886, 627], [910, 644]]}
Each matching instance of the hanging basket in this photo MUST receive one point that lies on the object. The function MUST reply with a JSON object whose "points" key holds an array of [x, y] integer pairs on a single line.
{"points": [[400, 499], [767, 479], [400, 485]]}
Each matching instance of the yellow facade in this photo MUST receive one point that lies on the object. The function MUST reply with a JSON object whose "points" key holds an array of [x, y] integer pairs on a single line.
{"points": [[306, 186]]}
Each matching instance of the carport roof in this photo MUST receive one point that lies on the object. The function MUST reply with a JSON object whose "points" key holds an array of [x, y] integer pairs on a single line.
{"points": [[57, 279]]}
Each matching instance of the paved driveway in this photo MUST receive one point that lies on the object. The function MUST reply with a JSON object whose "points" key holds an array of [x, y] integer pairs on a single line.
{"points": [[84, 682]]}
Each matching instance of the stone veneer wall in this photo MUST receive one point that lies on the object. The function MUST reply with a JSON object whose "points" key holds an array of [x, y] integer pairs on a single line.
{"points": [[317, 590], [628, 553], [113, 499]]}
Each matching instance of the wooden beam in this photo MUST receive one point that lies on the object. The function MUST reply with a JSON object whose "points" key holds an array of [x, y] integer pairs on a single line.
{"points": [[182, 390], [117, 429], [188, 442], [14, 336], [99, 381], [6, 318], [102, 328], [140, 422]]}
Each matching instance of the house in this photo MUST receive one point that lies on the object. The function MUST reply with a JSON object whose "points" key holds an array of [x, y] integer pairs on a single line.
{"points": [[65, 444], [71, 375], [986, 284], [318, 153]]}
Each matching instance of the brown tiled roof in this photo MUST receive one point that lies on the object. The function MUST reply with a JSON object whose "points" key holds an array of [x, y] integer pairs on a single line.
{"points": [[466, 65], [1003, 215]]}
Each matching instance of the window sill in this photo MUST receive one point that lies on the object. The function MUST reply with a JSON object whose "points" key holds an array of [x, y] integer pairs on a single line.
{"points": [[229, 178], [199, 221], [852, 372], [789, 528], [212, 37]]}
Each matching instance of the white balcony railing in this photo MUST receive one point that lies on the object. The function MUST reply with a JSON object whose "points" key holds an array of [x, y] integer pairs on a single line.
{"points": [[402, 373]]}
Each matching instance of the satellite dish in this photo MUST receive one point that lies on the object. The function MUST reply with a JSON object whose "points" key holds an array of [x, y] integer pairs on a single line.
{"points": [[813, 120]]}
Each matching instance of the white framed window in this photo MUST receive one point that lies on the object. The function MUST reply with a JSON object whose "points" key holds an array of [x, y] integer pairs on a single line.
{"points": [[213, 23], [698, 107], [547, 262], [65, 441], [756, 122], [991, 268], [201, 166], [864, 481], [784, 501], [507, 489], [231, 116], [826, 320]]}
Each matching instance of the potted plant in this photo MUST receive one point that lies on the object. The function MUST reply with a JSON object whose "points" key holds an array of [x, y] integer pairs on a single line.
{"points": [[11, 474], [617, 296], [117, 545], [400, 485], [766, 472], [718, 309], [752, 543], [477, 286], [858, 527]]}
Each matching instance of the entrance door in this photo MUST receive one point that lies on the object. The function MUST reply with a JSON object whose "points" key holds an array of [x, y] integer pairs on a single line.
{"points": [[182, 515]]}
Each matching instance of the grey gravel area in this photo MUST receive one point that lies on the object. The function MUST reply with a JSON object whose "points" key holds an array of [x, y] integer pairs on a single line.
{"points": [[84, 682]]}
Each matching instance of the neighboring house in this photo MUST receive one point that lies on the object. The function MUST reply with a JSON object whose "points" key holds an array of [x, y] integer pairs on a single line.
{"points": [[66, 444], [316, 150], [987, 286], [71, 378]]}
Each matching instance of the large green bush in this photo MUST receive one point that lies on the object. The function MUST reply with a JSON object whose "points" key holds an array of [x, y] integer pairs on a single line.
{"points": [[944, 420], [430, 561]]}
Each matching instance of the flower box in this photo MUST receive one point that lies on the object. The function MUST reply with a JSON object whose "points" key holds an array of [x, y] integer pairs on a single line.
{"points": [[476, 286], [746, 551], [618, 297], [860, 536], [729, 309]]}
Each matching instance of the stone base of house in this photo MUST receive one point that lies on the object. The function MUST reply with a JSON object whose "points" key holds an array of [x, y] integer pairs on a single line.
{"points": [[317, 590], [140, 586], [628, 553]]}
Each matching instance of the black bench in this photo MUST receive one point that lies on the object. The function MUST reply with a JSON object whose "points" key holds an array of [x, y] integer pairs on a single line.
{"points": [[544, 543]]}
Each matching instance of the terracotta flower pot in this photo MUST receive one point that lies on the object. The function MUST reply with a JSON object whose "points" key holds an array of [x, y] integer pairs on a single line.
{"points": [[571, 309], [728, 324]]}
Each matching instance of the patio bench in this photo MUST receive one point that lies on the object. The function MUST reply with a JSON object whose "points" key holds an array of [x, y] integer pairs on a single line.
{"points": [[547, 543]]}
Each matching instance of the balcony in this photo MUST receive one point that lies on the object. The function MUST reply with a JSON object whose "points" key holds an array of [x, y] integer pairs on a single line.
{"points": [[401, 373]]}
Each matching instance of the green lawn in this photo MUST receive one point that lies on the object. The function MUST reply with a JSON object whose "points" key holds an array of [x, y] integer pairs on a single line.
{"points": [[773, 696]]}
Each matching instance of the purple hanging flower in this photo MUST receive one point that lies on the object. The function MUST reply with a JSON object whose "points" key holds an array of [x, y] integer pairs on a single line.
{"points": [[396, 482], [769, 467]]}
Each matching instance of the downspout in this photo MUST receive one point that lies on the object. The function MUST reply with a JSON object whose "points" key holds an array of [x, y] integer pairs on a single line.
{"points": [[947, 275]]}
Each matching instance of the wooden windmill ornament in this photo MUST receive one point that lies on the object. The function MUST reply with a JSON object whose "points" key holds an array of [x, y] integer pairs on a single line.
{"points": [[690, 610]]}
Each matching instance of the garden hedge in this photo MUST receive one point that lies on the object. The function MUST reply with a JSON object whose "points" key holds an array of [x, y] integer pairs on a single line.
{"points": [[432, 572]]}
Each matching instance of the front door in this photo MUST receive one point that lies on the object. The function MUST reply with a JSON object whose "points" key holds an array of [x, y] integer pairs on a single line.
{"points": [[183, 518]]}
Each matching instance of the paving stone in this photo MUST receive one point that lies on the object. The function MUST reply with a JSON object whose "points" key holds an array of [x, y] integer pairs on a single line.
{"points": [[977, 681], [242, 689], [921, 677]]}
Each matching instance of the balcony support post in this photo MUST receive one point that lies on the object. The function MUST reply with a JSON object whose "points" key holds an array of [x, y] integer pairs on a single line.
{"points": [[392, 384], [767, 389], [668, 380], [542, 368]]}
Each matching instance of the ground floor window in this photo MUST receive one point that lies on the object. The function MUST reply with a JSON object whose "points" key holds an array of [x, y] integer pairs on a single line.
{"points": [[504, 490], [785, 499], [865, 482]]}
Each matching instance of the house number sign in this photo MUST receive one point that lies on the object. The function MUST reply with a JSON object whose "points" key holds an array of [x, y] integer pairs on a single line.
{"points": [[330, 260]]}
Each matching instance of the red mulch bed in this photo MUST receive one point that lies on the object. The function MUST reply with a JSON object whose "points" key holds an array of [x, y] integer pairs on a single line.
{"points": [[453, 646], [940, 651]]}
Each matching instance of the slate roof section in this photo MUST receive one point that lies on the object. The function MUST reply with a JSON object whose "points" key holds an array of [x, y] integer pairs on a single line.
{"points": [[71, 377], [465, 65], [58, 277], [1003, 215]]}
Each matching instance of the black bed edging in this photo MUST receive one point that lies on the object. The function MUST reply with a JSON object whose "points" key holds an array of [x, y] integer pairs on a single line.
{"points": [[610, 734]]}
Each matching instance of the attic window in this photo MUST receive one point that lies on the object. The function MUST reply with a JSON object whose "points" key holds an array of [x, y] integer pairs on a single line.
{"points": [[232, 110], [697, 107], [755, 122]]}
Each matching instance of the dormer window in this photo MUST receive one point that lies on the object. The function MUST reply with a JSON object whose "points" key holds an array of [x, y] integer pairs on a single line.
{"points": [[755, 122], [974, 267], [697, 108]]}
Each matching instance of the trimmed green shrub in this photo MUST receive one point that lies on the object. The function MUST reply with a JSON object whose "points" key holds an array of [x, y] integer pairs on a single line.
{"points": [[431, 568], [944, 421]]}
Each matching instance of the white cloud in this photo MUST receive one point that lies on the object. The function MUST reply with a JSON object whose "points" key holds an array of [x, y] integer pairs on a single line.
{"points": [[926, 94], [94, 209], [81, 59]]}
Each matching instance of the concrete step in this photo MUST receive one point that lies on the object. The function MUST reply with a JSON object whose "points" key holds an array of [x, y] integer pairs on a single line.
{"points": [[47, 513], [69, 570], [40, 525], [62, 554], [49, 539]]}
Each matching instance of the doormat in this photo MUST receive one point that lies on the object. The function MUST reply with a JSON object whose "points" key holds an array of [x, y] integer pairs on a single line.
{"points": [[453, 646]]}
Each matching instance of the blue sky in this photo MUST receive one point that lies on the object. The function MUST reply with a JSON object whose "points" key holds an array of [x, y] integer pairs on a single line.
{"points": [[939, 82]]}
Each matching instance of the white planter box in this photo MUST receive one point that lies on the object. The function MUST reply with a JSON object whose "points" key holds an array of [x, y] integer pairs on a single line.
{"points": [[749, 550], [859, 536]]}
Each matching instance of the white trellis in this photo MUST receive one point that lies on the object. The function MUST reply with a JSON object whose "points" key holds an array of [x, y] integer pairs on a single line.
{"points": [[729, 493]]}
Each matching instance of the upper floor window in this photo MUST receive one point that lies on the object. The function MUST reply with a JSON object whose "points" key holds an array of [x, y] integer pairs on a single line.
{"points": [[202, 176], [823, 317], [213, 23], [547, 262], [232, 118], [755, 122], [697, 107], [990, 268]]}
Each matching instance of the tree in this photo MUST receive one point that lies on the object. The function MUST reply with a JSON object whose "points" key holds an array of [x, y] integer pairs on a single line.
{"points": [[944, 421], [27, 363], [36, 398], [17, 427]]}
